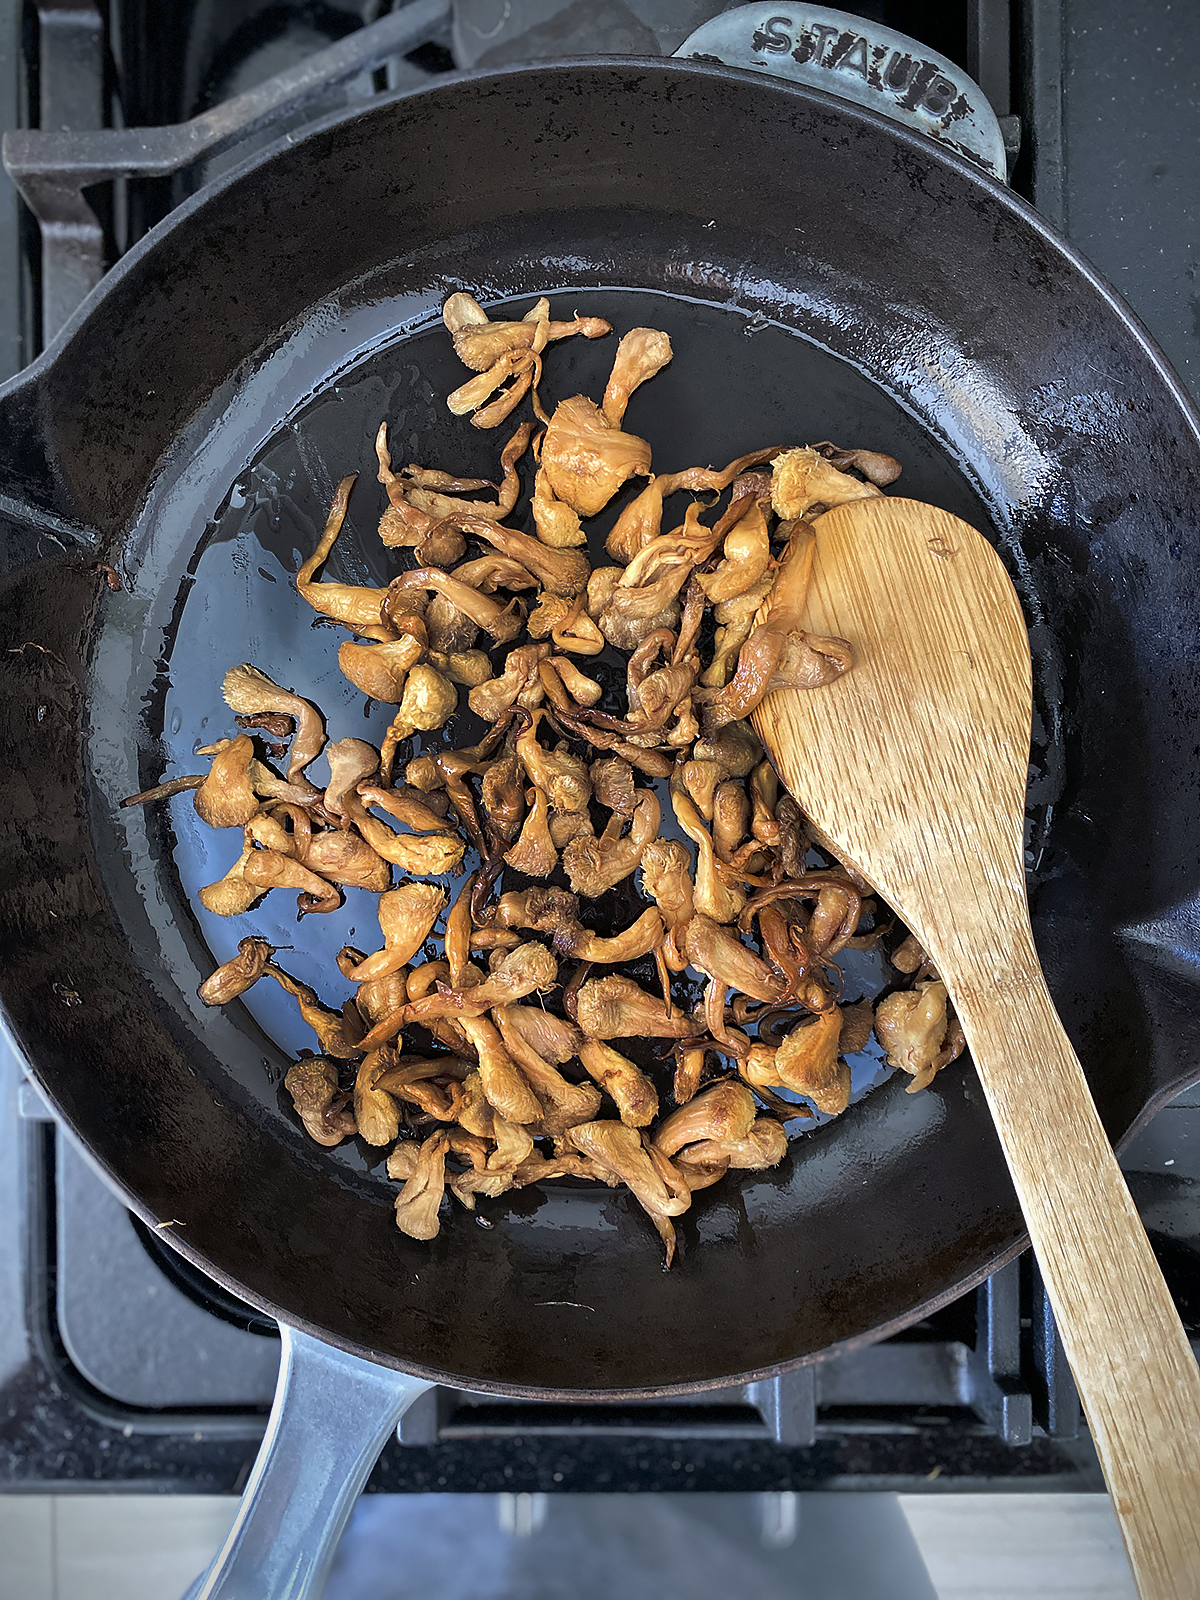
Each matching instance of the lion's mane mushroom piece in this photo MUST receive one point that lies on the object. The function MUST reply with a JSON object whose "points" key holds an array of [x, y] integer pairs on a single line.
{"points": [[873, 464], [586, 459], [731, 820], [652, 580], [499, 351], [631, 1091], [427, 701], [553, 1038], [226, 797], [406, 917], [379, 670], [562, 572], [809, 1062], [667, 879], [718, 951], [352, 605], [269, 869], [375, 1111], [625, 632], [514, 685], [615, 1008], [765, 1145], [422, 812], [567, 623], [351, 762], [502, 796], [250, 692], [639, 939], [231, 895], [329, 1026], [560, 775], [377, 997], [564, 1104], [557, 523], [594, 866], [913, 1029], [714, 897], [235, 976], [747, 557], [528, 969], [501, 620], [735, 622], [620, 1150], [417, 1203], [427, 855], [641, 353], [726, 1111], [506, 1089], [612, 784], [641, 519], [467, 668], [321, 1107], [534, 853], [802, 478]]}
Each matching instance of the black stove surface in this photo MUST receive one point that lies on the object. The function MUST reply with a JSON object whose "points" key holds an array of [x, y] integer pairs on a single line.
{"points": [[122, 1365]]}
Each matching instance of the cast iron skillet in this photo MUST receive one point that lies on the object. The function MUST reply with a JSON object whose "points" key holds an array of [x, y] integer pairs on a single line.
{"points": [[823, 274]]}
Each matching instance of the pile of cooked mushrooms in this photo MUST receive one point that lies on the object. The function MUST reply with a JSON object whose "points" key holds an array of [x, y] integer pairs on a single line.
{"points": [[508, 1059]]}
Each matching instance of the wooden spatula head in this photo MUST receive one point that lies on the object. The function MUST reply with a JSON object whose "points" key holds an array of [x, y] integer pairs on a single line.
{"points": [[914, 763]]}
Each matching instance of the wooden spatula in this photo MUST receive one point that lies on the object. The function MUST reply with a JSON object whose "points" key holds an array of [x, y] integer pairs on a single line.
{"points": [[914, 765]]}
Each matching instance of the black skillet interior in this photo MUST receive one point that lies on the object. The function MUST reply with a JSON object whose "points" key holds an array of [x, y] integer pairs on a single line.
{"points": [[821, 275]]}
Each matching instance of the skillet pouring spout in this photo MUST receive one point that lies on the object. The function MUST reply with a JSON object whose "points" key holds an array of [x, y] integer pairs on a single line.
{"points": [[929, 735]]}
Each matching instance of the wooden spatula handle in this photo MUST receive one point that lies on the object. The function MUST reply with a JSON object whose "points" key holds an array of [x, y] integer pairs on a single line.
{"points": [[1136, 1372]]}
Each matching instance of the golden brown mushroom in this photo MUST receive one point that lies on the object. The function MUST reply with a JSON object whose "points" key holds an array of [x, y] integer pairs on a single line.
{"points": [[235, 976], [418, 1201], [375, 1111], [406, 916], [586, 459], [353, 605], [251, 692], [564, 1104], [313, 1085], [809, 1061], [629, 1088], [802, 478], [534, 853], [226, 797], [619, 1149], [503, 1083], [615, 1008], [597, 865], [641, 353], [726, 1111], [913, 1029], [380, 670], [329, 1027]]}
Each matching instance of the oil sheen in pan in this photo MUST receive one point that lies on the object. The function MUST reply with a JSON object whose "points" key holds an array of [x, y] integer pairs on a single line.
{"points": [[736, 383]]}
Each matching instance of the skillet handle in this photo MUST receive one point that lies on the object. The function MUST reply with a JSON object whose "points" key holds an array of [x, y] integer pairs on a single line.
{"points": [[331, 1417], [864, 62]]}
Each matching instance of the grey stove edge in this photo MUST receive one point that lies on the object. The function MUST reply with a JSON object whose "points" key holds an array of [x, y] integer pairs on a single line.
{"points": [[150, 1345]]}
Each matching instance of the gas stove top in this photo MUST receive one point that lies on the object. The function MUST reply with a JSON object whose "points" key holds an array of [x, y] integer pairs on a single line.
{"points": [[120, 1364]]}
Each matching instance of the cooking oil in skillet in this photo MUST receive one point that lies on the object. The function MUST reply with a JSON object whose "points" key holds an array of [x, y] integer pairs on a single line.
{"points": [[737, 382]]}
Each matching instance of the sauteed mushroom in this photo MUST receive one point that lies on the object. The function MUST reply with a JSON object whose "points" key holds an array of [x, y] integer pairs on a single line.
{"points": [[741, 902]]}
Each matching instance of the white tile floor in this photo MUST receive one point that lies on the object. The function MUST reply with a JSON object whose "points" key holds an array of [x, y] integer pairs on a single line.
{"points": [[148, 1547]]}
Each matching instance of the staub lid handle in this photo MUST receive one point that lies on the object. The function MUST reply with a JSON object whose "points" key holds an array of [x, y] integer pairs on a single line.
{"points": [[862, 61]]}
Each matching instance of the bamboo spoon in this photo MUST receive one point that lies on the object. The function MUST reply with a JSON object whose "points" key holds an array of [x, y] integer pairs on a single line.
{"points": [[929, 738]]}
